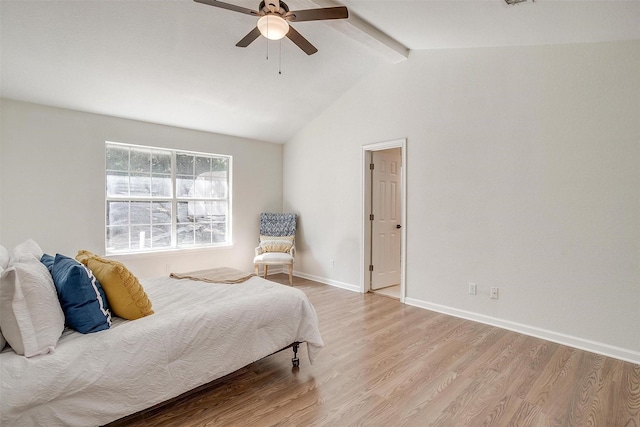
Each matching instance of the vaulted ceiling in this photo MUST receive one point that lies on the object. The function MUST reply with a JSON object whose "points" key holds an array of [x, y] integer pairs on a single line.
{"points": [[175, 62]]}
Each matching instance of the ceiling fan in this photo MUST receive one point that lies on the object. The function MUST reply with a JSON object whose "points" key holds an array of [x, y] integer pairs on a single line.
{"points": [[273, 24]]}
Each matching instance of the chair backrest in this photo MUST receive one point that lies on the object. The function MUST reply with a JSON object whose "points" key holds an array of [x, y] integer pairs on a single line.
{"points": [[278, 224]]}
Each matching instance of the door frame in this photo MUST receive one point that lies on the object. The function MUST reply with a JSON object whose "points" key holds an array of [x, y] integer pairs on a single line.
{"points": [[365, 277]]}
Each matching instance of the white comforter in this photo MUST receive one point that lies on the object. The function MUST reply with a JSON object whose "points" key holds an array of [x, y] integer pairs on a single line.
{"points": [[199, 332]]}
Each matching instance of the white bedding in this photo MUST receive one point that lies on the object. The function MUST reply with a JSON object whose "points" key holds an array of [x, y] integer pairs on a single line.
{"points": [[199, 332]]}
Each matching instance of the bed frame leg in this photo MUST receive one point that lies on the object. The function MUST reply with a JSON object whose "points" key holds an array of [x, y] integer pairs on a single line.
{"points": [[295, 361]]}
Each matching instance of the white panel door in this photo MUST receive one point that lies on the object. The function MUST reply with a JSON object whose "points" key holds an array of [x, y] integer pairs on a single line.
{"points": [[386, 209]]}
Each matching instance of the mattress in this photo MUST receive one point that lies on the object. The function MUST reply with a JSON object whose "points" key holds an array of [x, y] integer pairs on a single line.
{"points": [[199, 332]]}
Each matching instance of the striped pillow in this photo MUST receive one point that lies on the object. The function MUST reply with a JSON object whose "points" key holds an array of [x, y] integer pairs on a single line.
{"points": [[276, 243]]}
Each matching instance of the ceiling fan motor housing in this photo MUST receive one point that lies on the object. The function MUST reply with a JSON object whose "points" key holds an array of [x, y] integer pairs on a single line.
{"points": [[281, 8]]}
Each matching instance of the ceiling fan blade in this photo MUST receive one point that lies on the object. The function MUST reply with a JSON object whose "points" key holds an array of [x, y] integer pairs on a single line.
{"points": [[228, 6], [249, 38], [338, 12], [301, 42]]}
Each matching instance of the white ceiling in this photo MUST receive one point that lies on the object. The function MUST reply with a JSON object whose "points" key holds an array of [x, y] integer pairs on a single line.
{"points": [[175, 62]]}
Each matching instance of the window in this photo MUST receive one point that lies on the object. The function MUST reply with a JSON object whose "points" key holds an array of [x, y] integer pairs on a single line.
{"points": [[164, 199]]}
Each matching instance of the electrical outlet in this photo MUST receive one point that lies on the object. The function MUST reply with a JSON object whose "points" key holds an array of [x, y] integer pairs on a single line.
{"points": [[167, 268], [473, 289], [494, 293], [333, 263]]}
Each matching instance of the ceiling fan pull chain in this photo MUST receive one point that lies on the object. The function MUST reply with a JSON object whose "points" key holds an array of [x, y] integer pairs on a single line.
{"points": [[267, 40], [280, 59]]}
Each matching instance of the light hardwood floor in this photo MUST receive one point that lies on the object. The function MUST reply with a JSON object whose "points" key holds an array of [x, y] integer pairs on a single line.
{"points": [[388, 364]]}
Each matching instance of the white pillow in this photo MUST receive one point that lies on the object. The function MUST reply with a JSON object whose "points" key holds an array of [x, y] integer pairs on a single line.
{"points": [[26, 251], [4, 259], [30, 313], [4, 263], [3, 342]]}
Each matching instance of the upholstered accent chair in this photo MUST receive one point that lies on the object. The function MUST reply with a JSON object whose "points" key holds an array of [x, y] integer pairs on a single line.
{"points": [[277, 244]]}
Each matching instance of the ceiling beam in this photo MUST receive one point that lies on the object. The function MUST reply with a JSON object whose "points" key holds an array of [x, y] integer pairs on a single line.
{"points": [[362, 31]]}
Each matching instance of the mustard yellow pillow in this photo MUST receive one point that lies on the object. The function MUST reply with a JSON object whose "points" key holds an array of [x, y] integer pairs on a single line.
{"points": [[276, 243], [124, 292]]}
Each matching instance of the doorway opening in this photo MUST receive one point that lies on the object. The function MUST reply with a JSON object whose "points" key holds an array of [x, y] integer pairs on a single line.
{"points": [[384, 218]]}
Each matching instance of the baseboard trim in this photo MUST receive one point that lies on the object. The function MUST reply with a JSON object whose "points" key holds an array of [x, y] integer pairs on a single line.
{"points": [[571, 341], [620, 353], [330, 282]]}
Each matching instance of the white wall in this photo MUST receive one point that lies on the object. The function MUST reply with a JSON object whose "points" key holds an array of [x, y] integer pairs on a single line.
{"points": [[523, 173], [52, 183]]}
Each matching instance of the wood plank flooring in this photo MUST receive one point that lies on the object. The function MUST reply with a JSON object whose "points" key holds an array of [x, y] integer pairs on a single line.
{"points": [[388, 364]]}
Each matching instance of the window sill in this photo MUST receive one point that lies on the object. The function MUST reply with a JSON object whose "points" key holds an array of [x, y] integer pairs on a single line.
{"points": [[125, 256]]}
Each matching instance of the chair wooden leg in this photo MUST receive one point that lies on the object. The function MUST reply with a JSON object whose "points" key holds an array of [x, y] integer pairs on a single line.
{"points": [[266, 269], [291, 274], [256, 268]]}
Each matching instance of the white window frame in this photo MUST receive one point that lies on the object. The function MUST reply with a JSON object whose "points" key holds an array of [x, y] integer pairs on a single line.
{"points": [[173, 199]]}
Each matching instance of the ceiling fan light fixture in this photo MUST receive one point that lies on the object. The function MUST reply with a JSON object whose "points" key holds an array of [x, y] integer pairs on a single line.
{"points": [[273, 27]]}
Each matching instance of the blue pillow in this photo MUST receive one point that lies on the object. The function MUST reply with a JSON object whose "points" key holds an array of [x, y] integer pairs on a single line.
{"points": [[48, 261], [81, 297]]}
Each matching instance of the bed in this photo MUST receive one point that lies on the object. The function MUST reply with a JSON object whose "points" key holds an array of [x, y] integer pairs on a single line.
{"points": [[199, 332]]}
